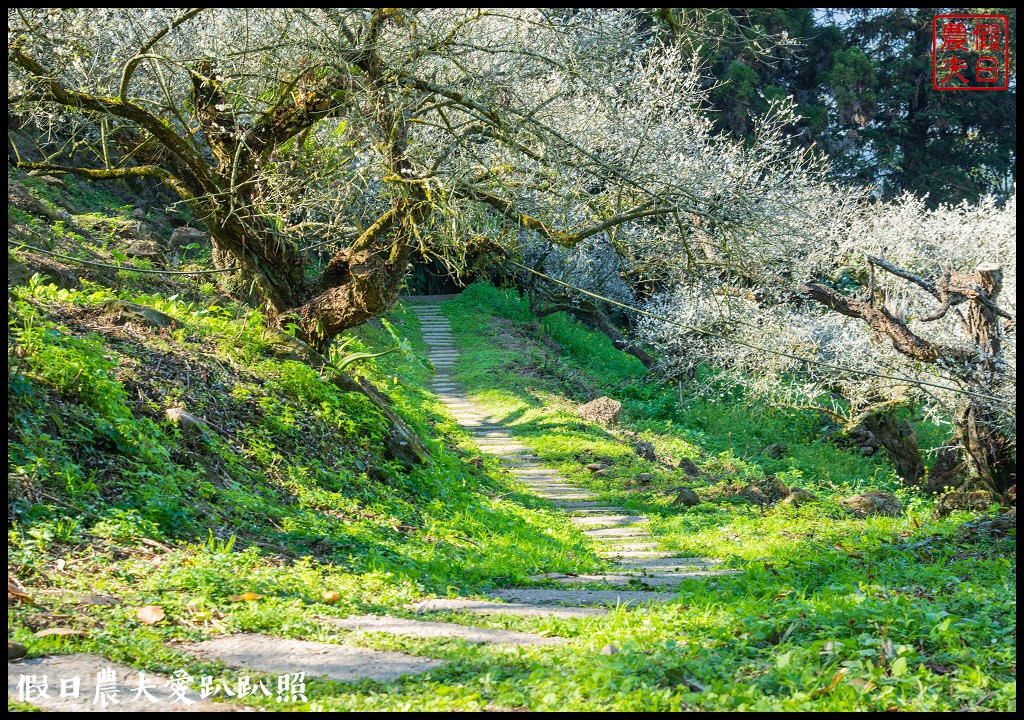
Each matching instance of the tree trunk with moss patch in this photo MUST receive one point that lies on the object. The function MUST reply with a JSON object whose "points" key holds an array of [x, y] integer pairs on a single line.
{"points": [[900, 442]]}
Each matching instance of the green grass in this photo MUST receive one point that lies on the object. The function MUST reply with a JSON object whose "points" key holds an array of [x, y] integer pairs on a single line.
{"points": [[288, 495]]}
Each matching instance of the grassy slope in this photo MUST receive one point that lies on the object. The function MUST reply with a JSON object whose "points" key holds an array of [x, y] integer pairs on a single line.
{"points": [[287, 497], [903, 612]]}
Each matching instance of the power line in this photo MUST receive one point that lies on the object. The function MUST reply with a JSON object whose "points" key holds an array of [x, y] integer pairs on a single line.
{"points": [[80, 261], [744, 343]]}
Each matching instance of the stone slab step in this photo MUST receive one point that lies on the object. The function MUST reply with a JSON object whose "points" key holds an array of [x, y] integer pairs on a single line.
{"points": [[617, 532], [652, 580], [543, 596], [568, 496], [124, 687], [424, 629], [485, 607], [580, 505], [640, 550], [663, 564], [338, 662], [553, 490], [583, 512], [620, 520]]}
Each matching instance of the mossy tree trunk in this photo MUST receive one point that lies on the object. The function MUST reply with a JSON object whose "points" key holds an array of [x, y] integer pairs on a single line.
{"points": [[984, 457]]}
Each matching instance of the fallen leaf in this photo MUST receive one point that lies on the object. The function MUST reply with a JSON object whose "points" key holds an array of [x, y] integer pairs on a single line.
{"points": [[150, 614], [832, 685], [16, 589], [861, 684], [59, 631], [332, 596], [244, 597]]}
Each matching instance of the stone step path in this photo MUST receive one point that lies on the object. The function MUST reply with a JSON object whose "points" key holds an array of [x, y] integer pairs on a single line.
{"points": [[490, 607], [638, 569], [420, 629], [277, 656], [634, 564]]}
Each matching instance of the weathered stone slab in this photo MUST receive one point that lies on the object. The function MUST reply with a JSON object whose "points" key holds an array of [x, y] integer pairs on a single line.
{"points": [[571, 505], [621, 520], [654, 580], [632, 545], [623, 556], [485, 607], [662, 564], [550, 490], [338, 662], [617, 532], [541, 596], [121, 683], [423, 629]]}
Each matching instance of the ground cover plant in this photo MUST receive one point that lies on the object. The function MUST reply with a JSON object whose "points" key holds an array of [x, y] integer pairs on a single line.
{"points": [[709, 403], [827, 611]]}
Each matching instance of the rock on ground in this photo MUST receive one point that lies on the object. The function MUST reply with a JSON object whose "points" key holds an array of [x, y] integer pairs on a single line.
{"points": [[875, 502], [133, 312], [799, 496], [753, 494], [774, 488], [977, 501], [603, 410], [688, 466], [687, 498], [191, 425], [182, 237], [644, 450]]}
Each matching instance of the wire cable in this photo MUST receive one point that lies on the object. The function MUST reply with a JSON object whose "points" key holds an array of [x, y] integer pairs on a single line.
{"points": [[80, 261]]}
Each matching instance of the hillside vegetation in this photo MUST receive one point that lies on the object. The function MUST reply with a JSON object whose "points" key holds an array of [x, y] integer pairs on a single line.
{"points": [[265, 501]]}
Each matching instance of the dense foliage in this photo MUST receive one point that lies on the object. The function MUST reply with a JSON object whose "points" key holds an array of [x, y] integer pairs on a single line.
{"points": [[862, 82]]}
